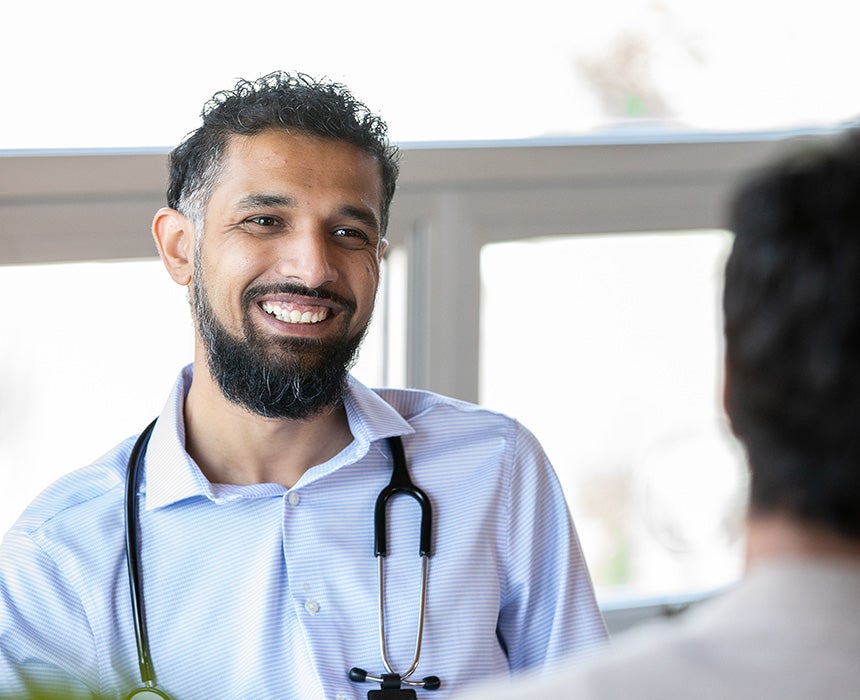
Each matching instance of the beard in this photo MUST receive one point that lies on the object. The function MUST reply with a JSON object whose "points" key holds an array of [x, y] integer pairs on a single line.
{"points": [[294, 378]]}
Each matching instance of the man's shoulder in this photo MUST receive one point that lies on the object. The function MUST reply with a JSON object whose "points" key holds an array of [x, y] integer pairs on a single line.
{"points": [[412, 403], [78, 492], [443, 424]]}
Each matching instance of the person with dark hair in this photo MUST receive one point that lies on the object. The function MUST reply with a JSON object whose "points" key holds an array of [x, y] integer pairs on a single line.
{"points": [[790, 629], [228, 550]]}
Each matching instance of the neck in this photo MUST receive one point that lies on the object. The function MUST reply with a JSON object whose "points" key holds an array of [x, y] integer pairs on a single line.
{"points": [[231, 445], [776, 536]]}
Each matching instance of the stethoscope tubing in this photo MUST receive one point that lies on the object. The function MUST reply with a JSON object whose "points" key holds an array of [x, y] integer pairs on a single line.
{"points": [[400, 483], [144, 660], [419, 635]]}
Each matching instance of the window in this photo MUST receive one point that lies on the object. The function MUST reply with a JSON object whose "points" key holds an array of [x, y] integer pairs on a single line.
{"points": [[87, 359], [609, 349]]}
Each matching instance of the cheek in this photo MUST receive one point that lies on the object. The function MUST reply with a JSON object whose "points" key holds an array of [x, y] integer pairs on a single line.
{"points": [[371, 280], [363, 285], [359, 273], [226, 274], [238, 263]]}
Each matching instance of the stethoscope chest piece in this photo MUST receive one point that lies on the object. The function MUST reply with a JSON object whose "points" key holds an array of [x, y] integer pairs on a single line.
{"points": [[395, 693]]}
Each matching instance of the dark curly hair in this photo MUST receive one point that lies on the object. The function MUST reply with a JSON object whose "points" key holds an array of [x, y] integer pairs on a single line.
{"points": [[792, 328], [279, 100]]}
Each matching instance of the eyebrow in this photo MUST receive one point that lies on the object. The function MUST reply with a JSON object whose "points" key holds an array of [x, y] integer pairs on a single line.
{"points": [[254, 201], [262, 200], [365, 216]]}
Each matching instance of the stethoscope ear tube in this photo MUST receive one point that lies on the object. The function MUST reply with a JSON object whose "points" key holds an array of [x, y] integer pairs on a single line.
{"points": [[147, 673], [401, 483], [391, 682]]}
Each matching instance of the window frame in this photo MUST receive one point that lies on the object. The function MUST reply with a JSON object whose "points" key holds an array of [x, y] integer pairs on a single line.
{"points": [[63, 206]]}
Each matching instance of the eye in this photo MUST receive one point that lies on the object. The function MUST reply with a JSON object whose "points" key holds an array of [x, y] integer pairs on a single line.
{"points": [[351, 238], [262, 225], [263, 220]]}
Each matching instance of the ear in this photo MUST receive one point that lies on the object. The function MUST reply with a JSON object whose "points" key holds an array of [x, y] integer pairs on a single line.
{"points": [[174, 236], [383, 246]]}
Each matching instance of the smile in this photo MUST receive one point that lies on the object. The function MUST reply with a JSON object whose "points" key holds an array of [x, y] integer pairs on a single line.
{"points": [[294, 315]]}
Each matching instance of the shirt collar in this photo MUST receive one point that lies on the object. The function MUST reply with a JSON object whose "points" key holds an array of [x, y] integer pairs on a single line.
{"points": [[370, 417], [171, 475]]}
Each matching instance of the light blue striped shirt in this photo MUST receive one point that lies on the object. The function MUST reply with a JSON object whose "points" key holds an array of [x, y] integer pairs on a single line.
{"points": [[267, 592]]}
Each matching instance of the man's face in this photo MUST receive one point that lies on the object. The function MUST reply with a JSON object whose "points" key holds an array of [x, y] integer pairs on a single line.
{"points": [[286, 273]]}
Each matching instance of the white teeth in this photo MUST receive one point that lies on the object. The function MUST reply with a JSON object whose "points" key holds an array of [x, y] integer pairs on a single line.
{"points": [[294, 316]]}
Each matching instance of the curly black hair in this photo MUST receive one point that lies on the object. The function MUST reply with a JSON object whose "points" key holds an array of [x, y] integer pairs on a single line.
{"points": [[279, 100]]}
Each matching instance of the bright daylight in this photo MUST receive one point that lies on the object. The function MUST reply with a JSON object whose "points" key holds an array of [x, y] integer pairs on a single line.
{"points": [[618, 71]]}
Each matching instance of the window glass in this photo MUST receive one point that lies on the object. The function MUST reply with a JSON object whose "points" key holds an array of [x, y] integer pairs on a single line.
{"points": [[89, 354], [93, 77], [609, 348]]}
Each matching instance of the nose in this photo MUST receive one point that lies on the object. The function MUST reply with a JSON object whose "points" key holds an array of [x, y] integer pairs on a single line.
{"points": [[305, 256]]}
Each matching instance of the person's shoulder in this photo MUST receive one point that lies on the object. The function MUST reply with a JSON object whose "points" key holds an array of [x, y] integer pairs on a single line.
{"points": [[448, 419], [76, 492], [662, 658], [641, 663], [412, 403], [445, 420]]}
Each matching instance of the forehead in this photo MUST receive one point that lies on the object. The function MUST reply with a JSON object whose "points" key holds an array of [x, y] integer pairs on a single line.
{"points": [[298, 160]]}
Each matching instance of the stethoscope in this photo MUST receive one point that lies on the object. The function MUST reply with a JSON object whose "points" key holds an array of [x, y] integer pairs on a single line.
{"points": [[390, 682]]}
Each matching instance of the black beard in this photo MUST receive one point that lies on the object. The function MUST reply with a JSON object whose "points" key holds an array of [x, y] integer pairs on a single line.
{"points": [[292, 378]]}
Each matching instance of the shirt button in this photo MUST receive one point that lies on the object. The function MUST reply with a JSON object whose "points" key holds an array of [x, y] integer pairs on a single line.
{"points": [[294, 498], [312, 606], [341, 697]]}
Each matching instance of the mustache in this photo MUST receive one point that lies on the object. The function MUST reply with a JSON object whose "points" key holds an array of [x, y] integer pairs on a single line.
{"points": [[290, 288]]}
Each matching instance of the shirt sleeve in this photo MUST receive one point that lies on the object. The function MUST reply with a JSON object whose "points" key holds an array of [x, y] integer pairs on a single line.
{"points": [[39, 613], [549, 611]]}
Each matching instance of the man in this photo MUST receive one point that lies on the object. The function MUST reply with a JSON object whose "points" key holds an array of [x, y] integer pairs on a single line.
{"points": [[254, 524], [791, 628]]}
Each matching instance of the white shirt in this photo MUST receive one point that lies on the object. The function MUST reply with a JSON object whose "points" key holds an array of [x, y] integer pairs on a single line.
{"points": [[263, 591]]}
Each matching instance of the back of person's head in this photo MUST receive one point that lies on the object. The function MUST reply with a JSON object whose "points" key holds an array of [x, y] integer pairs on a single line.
{"points": [[295, 103], [792, 327]]}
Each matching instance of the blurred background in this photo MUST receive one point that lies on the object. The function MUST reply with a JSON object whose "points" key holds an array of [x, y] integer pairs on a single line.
{"points": [[557, 241]]}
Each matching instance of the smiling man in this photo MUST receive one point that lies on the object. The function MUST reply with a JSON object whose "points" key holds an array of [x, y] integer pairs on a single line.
{"points": [[283, 285], [248, 570]]}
